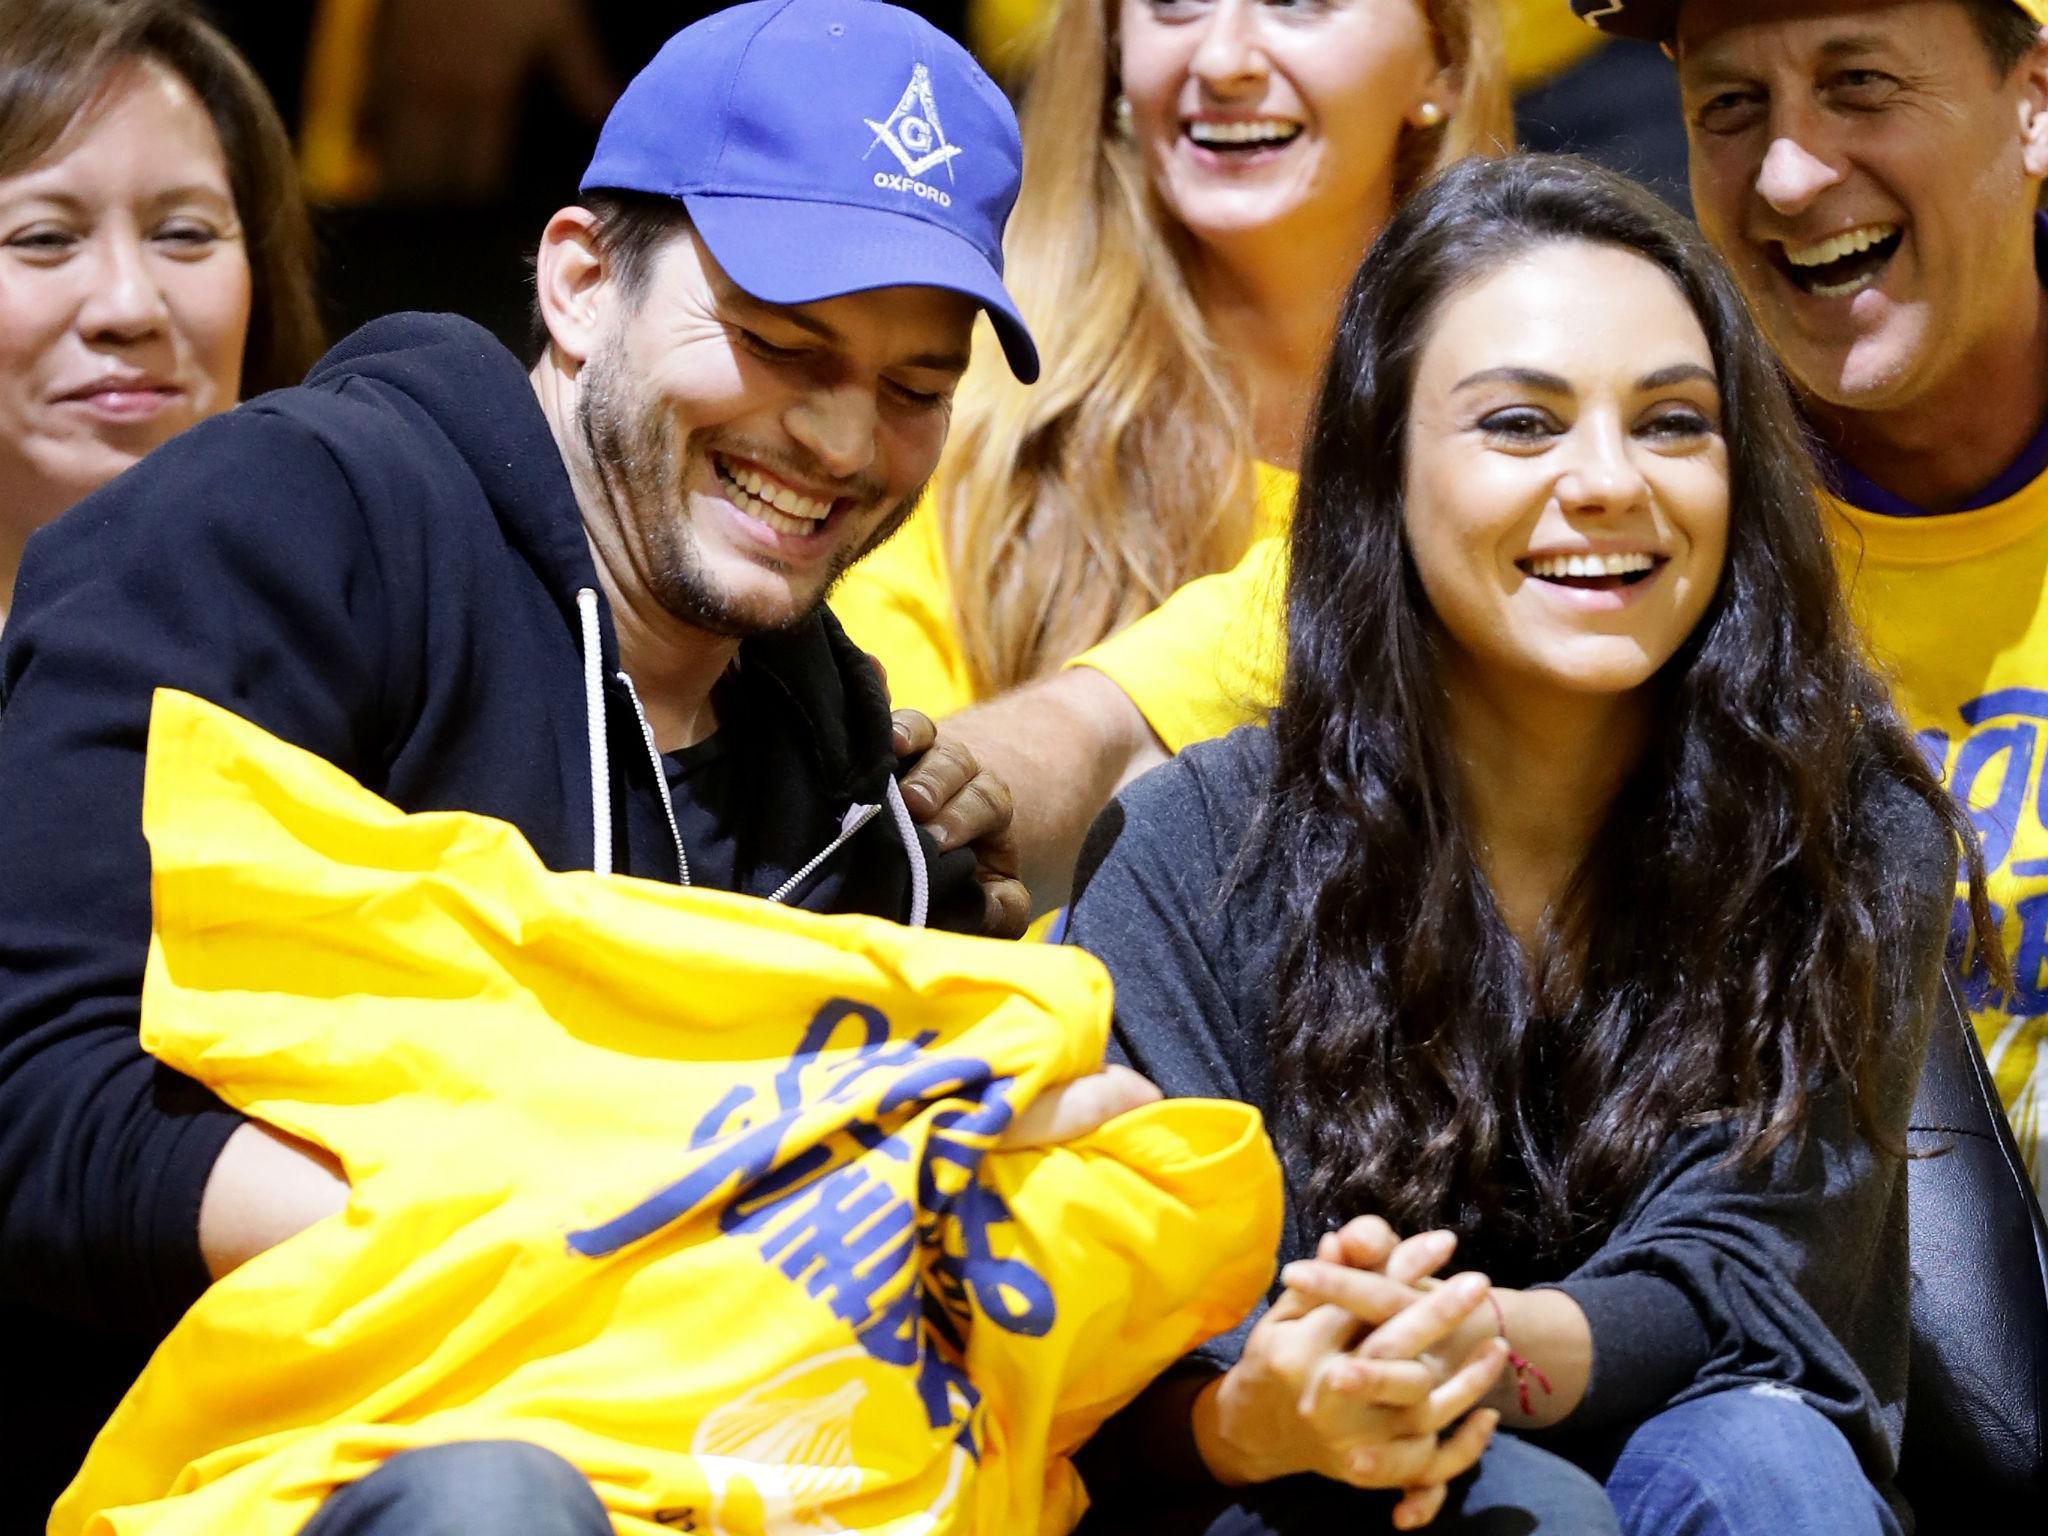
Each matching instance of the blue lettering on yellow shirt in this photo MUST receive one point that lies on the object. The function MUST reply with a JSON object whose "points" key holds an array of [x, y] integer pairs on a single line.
{"points": [[831, 1222]]}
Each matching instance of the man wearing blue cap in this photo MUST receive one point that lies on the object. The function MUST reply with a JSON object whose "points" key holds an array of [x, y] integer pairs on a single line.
{"points": [[582, 598]]}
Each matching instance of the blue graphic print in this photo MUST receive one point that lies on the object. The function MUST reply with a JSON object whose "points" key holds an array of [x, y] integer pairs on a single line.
{"points": [[1992, 771], [827, 1222]]}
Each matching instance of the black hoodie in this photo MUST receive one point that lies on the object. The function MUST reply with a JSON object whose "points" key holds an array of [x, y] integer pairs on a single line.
{"points": [[387, 567]]}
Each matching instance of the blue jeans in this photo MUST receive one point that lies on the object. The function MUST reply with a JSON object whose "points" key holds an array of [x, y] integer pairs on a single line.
{"points": [[1741, 1463], [1752, 1460], [474, 1488], [506, 1488], [1518, 1490]]}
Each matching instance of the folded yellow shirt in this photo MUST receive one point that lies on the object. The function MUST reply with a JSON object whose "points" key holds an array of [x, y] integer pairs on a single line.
{"points": [[693, 1190]]}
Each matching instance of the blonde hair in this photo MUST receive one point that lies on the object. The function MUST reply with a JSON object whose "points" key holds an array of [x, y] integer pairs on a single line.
{"points": [[1077, 505]]}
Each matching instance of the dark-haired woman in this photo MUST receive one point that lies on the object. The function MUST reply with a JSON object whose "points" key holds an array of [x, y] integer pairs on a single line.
{"points": [[1585, 900], [155, 260]]}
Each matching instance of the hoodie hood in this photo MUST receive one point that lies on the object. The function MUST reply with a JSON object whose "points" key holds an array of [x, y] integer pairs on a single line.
{"points": [[475, 393], [828, 704]]}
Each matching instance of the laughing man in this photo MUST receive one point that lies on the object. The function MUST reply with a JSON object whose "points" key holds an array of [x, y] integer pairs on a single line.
{"points": [[1871, 169]]}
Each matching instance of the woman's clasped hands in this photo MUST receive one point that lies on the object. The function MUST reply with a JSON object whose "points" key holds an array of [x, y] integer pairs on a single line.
{"points": [[1368, 1392]]}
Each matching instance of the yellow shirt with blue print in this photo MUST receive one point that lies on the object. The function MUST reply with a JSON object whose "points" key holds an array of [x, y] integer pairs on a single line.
{"points": [[705, 1195], [1954, 609]]}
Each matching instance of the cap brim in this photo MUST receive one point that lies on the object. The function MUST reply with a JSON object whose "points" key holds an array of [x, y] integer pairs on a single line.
{"points": [[785, 251], [1656, 21]]}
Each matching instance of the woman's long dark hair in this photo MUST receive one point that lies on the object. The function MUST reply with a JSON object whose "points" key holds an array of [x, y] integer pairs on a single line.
{"points": [[1727, 932]]}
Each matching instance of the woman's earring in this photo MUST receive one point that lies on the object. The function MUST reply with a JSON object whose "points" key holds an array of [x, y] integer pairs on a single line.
{"points": [[1428, 115], [1122, 112]]}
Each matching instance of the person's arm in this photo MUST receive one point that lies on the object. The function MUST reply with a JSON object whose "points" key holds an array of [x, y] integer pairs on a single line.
{"points": [[1278, 1394], [1209, 658], [1202, 663], [1064, 746], [265, 1186], [232, 565], [1142, 906], [1756, 1256]]}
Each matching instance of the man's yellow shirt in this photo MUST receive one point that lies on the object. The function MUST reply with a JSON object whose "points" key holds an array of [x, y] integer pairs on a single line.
{"points": [[1954, 609]]}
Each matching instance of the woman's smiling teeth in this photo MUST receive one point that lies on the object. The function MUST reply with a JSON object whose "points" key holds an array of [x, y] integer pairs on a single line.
{"points": [[769, 501], [1256, 133], [1567, 567]]}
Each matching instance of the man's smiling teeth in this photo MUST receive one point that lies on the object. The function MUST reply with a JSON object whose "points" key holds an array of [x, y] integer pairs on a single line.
{"points": [[1590, 565], [1842, 264], [1835, 247], [1264, 130], [776, 505]]}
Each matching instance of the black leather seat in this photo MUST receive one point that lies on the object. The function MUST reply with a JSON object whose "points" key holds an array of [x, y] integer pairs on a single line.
{"points": [[1975, 1456]]}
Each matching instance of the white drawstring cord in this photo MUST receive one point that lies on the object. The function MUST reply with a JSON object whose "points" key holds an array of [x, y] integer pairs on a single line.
{"points": [[593, 723], [601, 778], [668, 805], [920, 878]]}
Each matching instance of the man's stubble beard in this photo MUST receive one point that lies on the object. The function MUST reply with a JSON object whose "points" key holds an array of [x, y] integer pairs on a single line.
{"points": [[644, 478]]}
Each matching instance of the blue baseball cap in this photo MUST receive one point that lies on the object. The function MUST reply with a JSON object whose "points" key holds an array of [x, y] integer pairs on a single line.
{"points": [[827, 147], [1656, 21]]}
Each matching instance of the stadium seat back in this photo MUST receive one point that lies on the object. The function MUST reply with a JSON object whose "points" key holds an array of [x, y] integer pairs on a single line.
{"points": [[1975, 1455]]}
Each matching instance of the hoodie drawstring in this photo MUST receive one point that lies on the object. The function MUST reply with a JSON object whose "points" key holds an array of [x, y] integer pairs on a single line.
{"points": [[593, 724], [920, 878], [601, 779], [668, 806]]}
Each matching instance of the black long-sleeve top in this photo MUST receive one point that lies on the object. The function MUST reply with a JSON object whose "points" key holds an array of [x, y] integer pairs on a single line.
{"points": [[1792, 1274]]}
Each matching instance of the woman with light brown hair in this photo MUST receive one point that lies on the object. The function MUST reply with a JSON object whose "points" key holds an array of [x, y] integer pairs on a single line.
{"points": [[155, 258], [1201, 179], [155, 267]]}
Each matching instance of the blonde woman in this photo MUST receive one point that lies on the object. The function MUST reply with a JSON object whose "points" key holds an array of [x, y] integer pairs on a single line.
{"points": [[1181, 265]]}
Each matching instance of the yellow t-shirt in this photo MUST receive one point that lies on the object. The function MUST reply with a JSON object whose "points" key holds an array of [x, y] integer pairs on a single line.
{"points": [[1203, 662], [703, 1194], [1955, 610]]}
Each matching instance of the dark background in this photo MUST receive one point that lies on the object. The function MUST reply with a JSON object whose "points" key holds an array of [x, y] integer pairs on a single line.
{"points": [[469, 251], [468, 255]]}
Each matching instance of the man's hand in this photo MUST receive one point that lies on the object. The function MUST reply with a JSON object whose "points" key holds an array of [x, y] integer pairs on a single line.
{"points": [[1070, 1110], [1071, 741], [962, 804]]}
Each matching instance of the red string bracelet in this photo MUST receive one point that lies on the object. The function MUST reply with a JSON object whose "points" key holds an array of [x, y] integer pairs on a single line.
{"points": [[1521, 1365]]}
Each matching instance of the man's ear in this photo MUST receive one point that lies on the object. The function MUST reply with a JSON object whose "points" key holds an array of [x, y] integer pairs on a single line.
{"points": [[571, 281], [2034, 107]]}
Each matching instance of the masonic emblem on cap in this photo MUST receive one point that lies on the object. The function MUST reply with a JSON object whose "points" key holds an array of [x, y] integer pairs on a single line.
{"points": [[912, 131]]}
